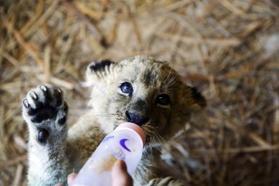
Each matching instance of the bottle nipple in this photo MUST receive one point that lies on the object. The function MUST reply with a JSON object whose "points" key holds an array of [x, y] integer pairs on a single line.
{"points": [[135, 128]]}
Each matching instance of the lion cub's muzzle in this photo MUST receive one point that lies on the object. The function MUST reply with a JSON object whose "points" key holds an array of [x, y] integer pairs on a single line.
{"points": [[136, 118], [137, 113]]}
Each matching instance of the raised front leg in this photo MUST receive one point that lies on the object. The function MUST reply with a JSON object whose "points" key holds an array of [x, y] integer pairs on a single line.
{"points": [[45, 113]]}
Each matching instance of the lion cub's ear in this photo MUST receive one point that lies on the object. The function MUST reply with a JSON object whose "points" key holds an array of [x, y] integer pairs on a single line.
{"points": [[98, 66], [96, 70], [199, 101]]}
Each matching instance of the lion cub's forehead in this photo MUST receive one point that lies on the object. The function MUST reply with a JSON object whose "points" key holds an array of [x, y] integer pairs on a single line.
{"points": [[146, 70]]}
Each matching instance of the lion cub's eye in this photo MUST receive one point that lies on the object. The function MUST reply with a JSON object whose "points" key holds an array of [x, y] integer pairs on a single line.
{"points": [[126, 88], [163, 99]]}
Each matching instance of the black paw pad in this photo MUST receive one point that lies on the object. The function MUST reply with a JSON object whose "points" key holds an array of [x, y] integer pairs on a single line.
{"points": [[32, 112], [43, 135], [62, 120], [44, 113], [38, 104]]}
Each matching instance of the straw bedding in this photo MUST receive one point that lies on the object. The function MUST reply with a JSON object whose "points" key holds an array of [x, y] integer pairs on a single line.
{"points": [[228, 49]]}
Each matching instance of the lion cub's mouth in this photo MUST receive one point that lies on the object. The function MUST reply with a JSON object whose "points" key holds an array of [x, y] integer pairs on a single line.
{"points": [[145, 127]]}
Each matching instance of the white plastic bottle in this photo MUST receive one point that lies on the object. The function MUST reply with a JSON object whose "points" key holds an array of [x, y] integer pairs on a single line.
{"points": [[124, 143]]}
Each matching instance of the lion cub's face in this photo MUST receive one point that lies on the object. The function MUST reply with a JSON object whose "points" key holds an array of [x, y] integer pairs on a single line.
{"points": [[142, 91]]}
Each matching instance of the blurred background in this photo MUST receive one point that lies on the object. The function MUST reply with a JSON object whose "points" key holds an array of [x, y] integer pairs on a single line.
{"points": [[228, 49]]}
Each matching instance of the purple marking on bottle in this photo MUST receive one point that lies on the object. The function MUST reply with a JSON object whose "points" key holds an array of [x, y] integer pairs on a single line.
{"points": [[122, 143]]}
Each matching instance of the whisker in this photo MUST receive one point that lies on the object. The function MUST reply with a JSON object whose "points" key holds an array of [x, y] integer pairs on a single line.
{"points": [[151, 131], [103, 114], [109, 116]]}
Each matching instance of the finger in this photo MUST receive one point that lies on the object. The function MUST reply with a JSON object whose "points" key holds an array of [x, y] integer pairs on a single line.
{"points": [[120, 176], [71, 178]]}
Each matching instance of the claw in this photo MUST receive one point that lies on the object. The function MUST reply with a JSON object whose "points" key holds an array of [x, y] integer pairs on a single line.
{"points": [[46, 93], [43, 88], [25, 103], [58, 95], [59, 90], [34, 95], [66, 108]]}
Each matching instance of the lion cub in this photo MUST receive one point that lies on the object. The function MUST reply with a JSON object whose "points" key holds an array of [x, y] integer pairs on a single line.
{"points": [[140, 90]]}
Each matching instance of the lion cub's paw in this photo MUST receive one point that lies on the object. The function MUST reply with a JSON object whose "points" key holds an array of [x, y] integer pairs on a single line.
{"points": [[45, 112]]}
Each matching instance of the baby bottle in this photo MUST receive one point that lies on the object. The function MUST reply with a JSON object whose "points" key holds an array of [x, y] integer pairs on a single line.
{"points": [[124, 143]]}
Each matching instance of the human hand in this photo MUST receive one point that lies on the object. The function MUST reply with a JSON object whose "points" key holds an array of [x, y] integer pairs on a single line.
{"points": [[120, 176]]}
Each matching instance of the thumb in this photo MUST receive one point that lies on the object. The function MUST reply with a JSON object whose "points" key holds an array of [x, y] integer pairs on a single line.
{"points": [[120, 176], [71, 178]]}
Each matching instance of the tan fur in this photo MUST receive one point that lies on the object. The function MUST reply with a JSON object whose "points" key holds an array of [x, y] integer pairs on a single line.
{"points": [[149, 78]]}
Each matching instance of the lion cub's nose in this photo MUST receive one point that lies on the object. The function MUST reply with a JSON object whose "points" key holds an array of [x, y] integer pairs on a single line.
{"points": [[136, 118]]}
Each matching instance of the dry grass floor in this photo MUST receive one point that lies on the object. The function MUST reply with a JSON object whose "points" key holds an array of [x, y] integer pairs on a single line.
{"points": [[227, 48]]}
